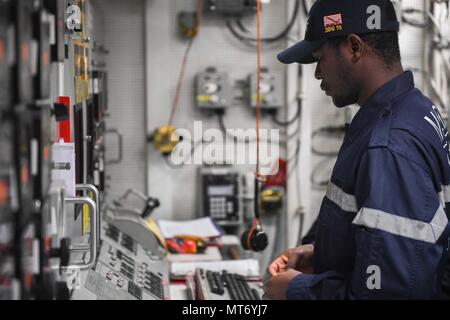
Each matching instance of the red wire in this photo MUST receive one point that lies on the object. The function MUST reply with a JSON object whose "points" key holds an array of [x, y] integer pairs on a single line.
{"points": [[255, 221], [258, 82], [198, 14], [180, 80]]}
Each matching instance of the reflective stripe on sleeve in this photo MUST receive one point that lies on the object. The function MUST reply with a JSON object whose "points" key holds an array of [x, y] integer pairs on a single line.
{"points": [[401, 226], [345, 201]]}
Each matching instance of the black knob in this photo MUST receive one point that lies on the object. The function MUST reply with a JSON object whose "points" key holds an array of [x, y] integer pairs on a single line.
{"points": [[65, 252], [151, 205]]}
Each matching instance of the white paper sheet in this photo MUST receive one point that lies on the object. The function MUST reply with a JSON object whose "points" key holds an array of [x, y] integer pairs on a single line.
{"points": [[203, 227]]}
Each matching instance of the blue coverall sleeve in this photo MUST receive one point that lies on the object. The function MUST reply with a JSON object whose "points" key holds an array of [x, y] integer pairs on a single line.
{"points": [[398, 230]]}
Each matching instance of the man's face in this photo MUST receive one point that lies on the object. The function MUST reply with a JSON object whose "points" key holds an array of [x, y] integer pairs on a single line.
{"points": [[337, 75]]}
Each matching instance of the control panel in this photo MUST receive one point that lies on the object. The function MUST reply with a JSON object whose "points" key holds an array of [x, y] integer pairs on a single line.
{"points": [[124, 271]]}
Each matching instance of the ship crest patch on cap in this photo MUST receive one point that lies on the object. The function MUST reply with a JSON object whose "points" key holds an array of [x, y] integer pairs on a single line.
{"points": [[332, 22]]}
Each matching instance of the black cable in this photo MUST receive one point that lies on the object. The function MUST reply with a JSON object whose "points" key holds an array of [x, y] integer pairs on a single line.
{"points": [[278, 37], [305, 8], [332, 132], [236, 138], [241, 26], [195, 145], [419, 24], [256, 198], [170, 164], [232, 136], [329, 130], [297, 151], [429, 78], [291, 121], [294, 157], [324, 153], [319, 168]]}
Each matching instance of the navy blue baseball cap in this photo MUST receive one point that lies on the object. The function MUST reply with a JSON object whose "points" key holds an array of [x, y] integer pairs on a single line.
{"points": [[333, 18]]}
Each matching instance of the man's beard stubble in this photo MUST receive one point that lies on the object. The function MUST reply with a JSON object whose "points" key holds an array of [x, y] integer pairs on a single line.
{"points": [[350, 89]]}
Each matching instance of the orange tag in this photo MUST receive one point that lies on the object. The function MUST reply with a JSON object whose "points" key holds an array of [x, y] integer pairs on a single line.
{"points": [[24, 175], [3, 193], [2, 51], [46, 154], [25, 52]]}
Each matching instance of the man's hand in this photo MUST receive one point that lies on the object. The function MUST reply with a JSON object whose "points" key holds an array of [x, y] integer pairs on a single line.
{"points": [[275, 288], [300, 259]]}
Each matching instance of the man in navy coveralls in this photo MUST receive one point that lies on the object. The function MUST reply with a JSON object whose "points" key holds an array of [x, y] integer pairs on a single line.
{"points": [[382, 229]]}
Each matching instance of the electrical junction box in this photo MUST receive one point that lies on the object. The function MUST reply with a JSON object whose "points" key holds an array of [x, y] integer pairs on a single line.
{"points": [[271, 90], [233, 8], [212, 90]]}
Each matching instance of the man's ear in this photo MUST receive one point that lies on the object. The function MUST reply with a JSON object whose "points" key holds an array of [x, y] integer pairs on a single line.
{"points": [[355, 46]]}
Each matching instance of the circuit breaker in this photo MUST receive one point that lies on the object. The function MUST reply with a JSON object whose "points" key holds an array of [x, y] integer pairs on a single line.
{"points": [[212, 90], [271, 90]]}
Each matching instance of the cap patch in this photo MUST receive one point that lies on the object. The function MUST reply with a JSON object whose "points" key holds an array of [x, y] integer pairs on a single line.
{"points": [[332, 22]]}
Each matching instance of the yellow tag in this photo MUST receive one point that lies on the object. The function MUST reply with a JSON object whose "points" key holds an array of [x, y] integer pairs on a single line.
{"points": [[81, 65], [202, 98], [153, 228], [86, 219], [261, 98]]}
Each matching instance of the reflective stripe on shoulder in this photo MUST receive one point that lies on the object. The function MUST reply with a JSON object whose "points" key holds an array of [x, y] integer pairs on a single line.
{"points": [[401, 226], [345, 201]]}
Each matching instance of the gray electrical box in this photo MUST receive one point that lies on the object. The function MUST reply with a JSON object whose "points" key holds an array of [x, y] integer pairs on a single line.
{"points": [[271, 90], [234, 8], [212, 90]]}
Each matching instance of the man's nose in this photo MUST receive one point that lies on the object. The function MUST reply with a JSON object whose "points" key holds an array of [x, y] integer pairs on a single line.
{"points": [[318, 72]]}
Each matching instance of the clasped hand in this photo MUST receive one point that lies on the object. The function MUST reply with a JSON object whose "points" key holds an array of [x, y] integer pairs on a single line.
{"points": [[285, 267]]}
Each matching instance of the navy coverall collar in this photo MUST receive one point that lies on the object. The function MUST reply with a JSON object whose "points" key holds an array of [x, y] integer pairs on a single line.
{"points": [[378, 102], [391, 89]]}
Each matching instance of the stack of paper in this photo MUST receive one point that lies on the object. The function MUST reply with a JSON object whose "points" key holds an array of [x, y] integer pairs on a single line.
{"points": [[203, 227]]}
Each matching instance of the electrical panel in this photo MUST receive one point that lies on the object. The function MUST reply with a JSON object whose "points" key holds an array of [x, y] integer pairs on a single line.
{"points": [[6, 44], [271, 90], [8, 210], [213, 90], [56, 10], [41, 30], [26, 51], [34, 250], [234, 8]]}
